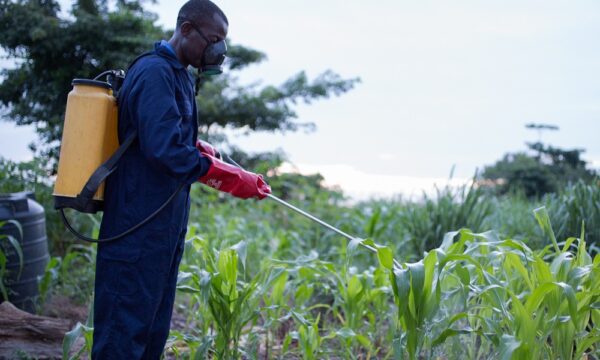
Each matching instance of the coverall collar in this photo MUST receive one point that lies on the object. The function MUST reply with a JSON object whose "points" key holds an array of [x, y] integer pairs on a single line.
{"points": [[166, 53]]}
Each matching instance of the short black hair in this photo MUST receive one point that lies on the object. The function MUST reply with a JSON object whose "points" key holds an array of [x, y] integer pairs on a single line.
{"points": [[199, 10]]}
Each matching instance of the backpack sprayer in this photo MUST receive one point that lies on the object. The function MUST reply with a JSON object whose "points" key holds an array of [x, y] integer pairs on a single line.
{"points": [[90, 149], [89, 139], [90, 152]]}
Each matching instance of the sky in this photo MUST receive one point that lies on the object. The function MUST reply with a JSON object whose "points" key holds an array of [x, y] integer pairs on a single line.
{"points": [[444, 85]]}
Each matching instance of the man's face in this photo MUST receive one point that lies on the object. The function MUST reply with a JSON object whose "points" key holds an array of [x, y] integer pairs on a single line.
{"points": [[194, 43]]}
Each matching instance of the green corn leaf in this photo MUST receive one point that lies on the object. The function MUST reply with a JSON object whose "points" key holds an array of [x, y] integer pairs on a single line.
{"points": [[463, 274], [188, 289], [586, 344], [2, 261], [535, 299], [17, 246], [508, 345], [184, 276], [492, 295], [568, 244], [583, 257], [542, 270], [577, 274], [355, 288], [449, 332], [431, 289], [70, 339], [241, 249], [300, 318], [461, 257], [429, 270], [3, 290], [517, 245], [286, 343], [490, 237], [352, 245], [384, 254], [541, 215], [561, 265], [278, 288], [401, 288], [525, 326], [370, 229], [513, 261], [417, 279], [203, 349], [448, 240], [227, 265], [364, 341], [303, 294], [571, 300], [17, 225], [49, 277], [385, 257], [345, 333]]}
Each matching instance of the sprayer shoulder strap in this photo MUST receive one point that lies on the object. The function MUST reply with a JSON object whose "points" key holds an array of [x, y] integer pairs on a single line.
{"points": [[102, 172]]}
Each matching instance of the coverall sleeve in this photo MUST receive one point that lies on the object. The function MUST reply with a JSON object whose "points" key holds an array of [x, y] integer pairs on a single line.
{"points": [[160, 130]]}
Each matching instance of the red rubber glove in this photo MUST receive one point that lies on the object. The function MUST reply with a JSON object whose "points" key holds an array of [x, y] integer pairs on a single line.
{"points": [[205, 147], [231, 179]]}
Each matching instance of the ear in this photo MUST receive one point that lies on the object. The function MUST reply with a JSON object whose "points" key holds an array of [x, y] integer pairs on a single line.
{"points": [[185, 28]]}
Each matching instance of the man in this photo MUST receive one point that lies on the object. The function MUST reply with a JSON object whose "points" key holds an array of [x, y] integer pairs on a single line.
{"points": [[136, 275]]}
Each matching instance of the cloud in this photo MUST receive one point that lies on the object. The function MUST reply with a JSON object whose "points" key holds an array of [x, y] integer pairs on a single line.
{"points": [[15, 140], [594, 163], [386, 156], [360, 185]]}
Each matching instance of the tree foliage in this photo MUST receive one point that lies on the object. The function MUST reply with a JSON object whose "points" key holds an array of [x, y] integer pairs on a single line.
{"points": [[225, 103], [521, 173], [544, 169], [50, 51]]}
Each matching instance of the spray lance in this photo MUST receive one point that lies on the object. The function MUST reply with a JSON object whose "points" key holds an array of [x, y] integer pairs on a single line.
{"points": [[317, 220]]}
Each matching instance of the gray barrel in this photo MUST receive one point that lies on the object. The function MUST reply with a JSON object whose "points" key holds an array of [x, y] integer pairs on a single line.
{"points": [[22, 208]]}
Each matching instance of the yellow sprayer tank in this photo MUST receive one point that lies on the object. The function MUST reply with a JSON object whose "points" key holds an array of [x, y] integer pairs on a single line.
{"points": [[89, 138]]}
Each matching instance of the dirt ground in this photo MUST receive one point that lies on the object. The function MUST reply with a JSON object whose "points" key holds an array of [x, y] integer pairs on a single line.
{"points": [[64, 308]]}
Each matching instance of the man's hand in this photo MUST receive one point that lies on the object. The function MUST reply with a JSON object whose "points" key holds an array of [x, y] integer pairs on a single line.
{"points": [[205, 147], [231, 179]]}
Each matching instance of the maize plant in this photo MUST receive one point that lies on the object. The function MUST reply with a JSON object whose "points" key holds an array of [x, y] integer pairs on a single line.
{"points": [[9, 245], [233, 303], [501, 298], [475, 296]]}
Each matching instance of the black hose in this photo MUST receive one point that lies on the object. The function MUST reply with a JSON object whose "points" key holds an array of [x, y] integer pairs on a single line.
{"points": [[107, 72], [126, 232]]}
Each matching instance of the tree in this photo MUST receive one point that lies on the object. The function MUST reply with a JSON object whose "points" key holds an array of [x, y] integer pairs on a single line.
{"points": [[51, 51], [521, 173], [546, 169], [541, 128]]}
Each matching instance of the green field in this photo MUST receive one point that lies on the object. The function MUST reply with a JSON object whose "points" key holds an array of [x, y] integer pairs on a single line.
{"points": [[462, 274]]}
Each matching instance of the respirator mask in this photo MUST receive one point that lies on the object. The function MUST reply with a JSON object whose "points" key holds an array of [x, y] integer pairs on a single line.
{"points": [[214, 55]]}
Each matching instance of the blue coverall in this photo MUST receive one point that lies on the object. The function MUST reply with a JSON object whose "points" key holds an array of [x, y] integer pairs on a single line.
{"points": [[136, 275]]}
